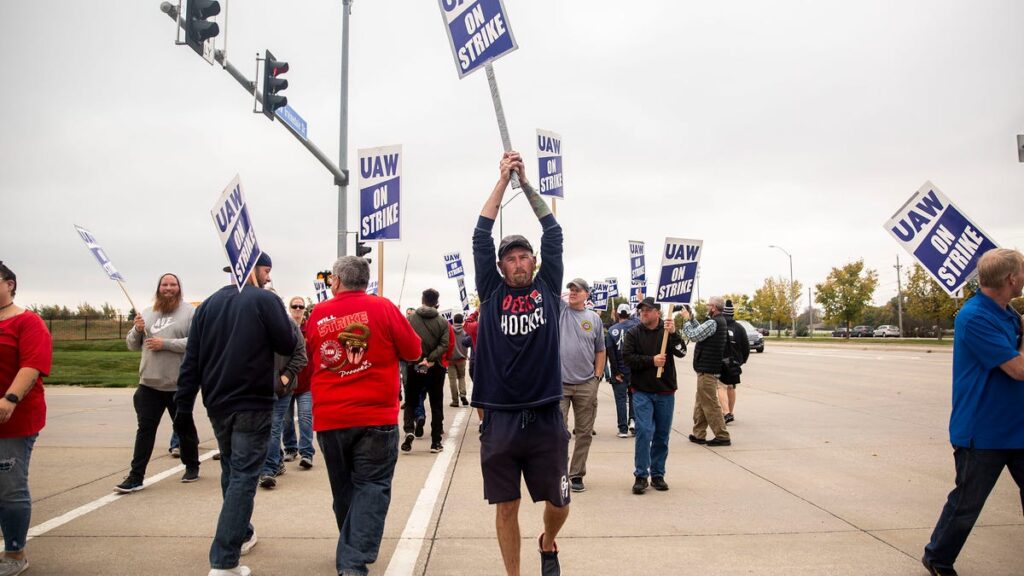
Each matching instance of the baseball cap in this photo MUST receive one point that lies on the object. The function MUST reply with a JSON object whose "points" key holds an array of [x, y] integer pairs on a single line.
{"points": [[649, 302], [513, 241], [579, 283], [623, 309]]}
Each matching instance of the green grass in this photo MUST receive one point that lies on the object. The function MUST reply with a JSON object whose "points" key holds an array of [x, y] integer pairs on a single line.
{"points": [[946, 341], [99, 363]]}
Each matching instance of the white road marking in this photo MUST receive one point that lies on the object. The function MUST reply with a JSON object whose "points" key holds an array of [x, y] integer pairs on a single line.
{"points": [[403, 561], [40, 529]]}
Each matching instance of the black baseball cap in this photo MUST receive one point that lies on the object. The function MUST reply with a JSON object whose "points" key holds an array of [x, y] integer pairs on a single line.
{"points": [[649, 302], [513, 241]]}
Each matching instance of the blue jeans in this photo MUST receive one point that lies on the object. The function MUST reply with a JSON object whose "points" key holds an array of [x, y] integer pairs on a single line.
{"points": [[288, 436], [274, 454], [977, 471], [305, 405], [242, 439], [623, 402], [653, 415], [360, 465], [15, 500], [175, 442]]}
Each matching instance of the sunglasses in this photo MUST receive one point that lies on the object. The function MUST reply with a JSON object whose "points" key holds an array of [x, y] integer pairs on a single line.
{"points": [[298, 307]]}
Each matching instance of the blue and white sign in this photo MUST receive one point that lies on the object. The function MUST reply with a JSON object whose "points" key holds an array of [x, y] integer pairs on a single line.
{"points": [[599, 295], [941, 237], [613, 286], [448, 315], [289, 116], [637, 291], [371, 288], [453, 265], [97, 251], [321, 291], [234, 227], [463, 296], [478, 32], [679, 263], [549, 157], [380, 184], [638, 270]]}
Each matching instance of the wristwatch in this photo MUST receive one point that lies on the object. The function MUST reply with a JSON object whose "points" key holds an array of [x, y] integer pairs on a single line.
{"points": [[12, 398]]}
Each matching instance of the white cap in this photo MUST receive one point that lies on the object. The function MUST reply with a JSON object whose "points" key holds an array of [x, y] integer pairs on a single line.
{"points": [[623, 308]]}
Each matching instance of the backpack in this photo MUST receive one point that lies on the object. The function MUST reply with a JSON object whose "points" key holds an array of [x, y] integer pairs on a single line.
{"points": [[732, 358]]}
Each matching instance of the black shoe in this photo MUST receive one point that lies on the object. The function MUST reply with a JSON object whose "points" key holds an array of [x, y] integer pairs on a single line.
{"points": [[548, 560], [696, 440], [216, 456], [407, 445], [291, 455], [640, 485], [465, 402], [306, 462], [719, 442], [130, 484], [729, 417], [454, 404], [267, 482], [419, 427], [576, 484], [436, 447], [658, 483], [935, 571], [190, 475]]}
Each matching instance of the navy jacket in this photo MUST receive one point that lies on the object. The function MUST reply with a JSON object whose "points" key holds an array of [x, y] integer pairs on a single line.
{"points": [[230, 352]]}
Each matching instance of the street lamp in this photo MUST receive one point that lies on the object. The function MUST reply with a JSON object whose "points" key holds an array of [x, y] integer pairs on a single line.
{"points": [[792, 304]]}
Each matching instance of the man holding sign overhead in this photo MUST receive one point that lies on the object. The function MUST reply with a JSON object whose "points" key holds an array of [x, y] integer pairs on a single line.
{"points": [[710, 337], [517, 378]]}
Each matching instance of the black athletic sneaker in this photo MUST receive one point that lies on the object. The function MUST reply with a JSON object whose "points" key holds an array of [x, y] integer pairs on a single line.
{"points": [[640, 485], [267, 482], [407, 445], [419, 427], [548, 560], [465, 402], [130, 484], [729, 417], [658, 483], [190, 475], [436, 447], [576, 484]]}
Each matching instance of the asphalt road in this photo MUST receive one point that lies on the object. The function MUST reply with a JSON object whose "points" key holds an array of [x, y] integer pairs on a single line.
{"points": [[840, 465]]}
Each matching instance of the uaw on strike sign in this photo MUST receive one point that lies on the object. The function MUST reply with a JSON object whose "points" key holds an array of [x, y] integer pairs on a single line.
{"points": [[549, 159], [234, 227], [679, 262], [380, 186], [942, 238], [478, 32]]}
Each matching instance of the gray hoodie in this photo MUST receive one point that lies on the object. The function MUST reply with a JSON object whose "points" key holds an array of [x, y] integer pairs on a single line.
{"points": [[159, 368]]}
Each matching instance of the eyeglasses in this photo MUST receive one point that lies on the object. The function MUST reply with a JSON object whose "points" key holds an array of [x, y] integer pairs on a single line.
{"points": [[298, 307]]}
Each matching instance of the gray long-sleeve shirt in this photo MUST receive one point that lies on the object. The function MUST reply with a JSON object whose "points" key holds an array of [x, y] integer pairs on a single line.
{"points": [[159, 368]]}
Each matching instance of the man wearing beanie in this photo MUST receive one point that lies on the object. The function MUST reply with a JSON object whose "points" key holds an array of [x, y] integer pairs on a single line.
{"points": [[230, 356], [737, 350]]}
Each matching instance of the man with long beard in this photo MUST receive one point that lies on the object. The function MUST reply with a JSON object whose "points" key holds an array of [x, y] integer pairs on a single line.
{"points": [[161, 332]]}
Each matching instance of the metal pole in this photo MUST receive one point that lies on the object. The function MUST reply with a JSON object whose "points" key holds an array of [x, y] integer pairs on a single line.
{"points": [[499, 112], [899, 297], [380, 269], [346, 9], [810, 313], [792, 303]]}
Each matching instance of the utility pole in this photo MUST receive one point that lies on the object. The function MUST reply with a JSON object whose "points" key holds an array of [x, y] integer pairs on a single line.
{"points": [[810, 314], [899, 288], [792, 301], [346, 9]]}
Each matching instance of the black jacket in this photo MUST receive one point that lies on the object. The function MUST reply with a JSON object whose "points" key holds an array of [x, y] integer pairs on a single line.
{"points": [[707, 356], [739, 337], [230, 352], [639, 348]]}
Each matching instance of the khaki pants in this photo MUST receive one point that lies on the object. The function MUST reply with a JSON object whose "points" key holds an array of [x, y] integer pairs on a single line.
{"points": [[583, 399], [706, 409], [457, 378]]}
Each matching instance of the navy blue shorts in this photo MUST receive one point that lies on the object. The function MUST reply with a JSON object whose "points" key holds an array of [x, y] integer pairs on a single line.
{"points": [[530, 444]]}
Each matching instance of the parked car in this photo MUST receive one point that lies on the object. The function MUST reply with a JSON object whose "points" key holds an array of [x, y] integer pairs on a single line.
{"points": [[763, 331], [862, 332], [887, 331], [753, 335], [840, 332]]}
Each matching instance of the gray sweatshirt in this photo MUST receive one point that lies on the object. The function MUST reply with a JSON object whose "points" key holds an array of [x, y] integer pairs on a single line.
{"points": [[159, 368]]}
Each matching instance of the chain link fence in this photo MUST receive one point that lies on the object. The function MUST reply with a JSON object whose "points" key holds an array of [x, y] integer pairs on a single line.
{"points": [[88, 327]]}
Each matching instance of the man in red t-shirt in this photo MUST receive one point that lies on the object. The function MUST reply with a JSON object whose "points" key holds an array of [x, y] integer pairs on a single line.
{"points": [[355, 341]]}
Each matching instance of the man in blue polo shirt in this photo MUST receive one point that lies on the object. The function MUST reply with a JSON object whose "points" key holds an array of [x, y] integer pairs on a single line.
{"points": [[518, 377], [986, 426]]}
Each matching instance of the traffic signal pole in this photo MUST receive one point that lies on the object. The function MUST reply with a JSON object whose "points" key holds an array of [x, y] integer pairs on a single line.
{"points": [[346, 9], [340, 175]]}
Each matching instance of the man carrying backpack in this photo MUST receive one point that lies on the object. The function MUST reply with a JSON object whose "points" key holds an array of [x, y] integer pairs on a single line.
{"points": [[737, 350]]}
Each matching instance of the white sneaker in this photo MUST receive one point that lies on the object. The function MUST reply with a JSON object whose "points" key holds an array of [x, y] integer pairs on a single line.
{"points": [[622, 435], [248, 544], [236, 571], [12, 567]]}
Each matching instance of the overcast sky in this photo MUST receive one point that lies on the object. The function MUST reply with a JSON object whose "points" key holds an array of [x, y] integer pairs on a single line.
{"points": [[748, 123]]}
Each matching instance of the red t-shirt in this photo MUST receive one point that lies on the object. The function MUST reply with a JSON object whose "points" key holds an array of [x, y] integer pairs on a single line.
{"points": [[25, 343], [354, 342]]}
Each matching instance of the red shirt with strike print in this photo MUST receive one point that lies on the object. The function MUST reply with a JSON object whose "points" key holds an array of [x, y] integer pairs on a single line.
{"points": [[354, 342]]}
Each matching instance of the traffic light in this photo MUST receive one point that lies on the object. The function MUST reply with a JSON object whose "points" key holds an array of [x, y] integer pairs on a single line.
{"points": [[272, 85], [362, 249], [197, 29]]}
